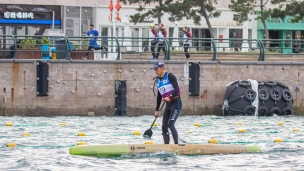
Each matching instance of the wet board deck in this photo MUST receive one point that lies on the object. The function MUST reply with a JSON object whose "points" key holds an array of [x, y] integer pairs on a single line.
{"points": [[187, 149]]}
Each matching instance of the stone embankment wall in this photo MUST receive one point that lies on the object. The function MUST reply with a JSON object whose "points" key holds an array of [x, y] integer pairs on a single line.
{"points": [[79, 87]]}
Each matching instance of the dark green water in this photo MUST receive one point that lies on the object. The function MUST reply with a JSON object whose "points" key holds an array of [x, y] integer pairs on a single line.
{"points": [[47, 147]]}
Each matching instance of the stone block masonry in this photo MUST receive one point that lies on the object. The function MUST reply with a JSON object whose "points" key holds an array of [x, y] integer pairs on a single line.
{"points": [[79, 87]]}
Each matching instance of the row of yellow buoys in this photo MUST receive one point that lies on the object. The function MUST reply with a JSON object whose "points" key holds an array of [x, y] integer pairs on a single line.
{"points": [[214, 141], [240, 123], [279, 123], [11, 124], [61, 124], [244, 131], [15, 145], [211, 141]]}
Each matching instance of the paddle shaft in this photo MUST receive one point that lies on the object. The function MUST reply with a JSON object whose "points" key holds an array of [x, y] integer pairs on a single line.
{"points": [[156, 117]]}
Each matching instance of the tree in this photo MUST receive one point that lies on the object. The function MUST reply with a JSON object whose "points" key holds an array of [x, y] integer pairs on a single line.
{"points": [[189, 9], [244, 8], [157, 12], [195, 9], [291, 8]]}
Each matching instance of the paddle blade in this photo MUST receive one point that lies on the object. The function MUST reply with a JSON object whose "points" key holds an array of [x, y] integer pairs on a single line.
{"points": [[148, 133]]}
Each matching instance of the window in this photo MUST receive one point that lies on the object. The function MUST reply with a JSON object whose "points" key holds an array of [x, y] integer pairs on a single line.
{"points": [[135, 35], [145, 40], [86, 19], [235, 34], [250, 37], [104, 33]]}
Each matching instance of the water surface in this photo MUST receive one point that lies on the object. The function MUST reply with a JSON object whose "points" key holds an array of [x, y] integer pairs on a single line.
{"points": [[47, 147]]}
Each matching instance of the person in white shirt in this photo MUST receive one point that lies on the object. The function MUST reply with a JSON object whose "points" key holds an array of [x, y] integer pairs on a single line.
{"points": [[152, 36], [161, 35], [187, 41]]}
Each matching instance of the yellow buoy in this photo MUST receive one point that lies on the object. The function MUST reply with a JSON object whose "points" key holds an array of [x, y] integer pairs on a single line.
{"points": [[136, 133], [11, 145], [278, 140], [81, 143], [189, 132], [241, 130], [197, 124], [296, 130], [91, 114], [239, 123], [149, 142], [26, 134], [8, 124], [281, 123], [213, 141], [155, 124], [81, 134], [63, 124]]}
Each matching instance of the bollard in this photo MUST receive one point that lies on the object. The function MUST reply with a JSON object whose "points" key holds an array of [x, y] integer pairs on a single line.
{"points": [[54, 57]]}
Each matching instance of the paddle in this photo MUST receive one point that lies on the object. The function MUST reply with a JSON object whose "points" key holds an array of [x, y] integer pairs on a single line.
{"points": [[148, 133]]}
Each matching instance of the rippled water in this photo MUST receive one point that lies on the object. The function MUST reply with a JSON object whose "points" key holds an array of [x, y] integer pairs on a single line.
{"points": [[47, 147]]}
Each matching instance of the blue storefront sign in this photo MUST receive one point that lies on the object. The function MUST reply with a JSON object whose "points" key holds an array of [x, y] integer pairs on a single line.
{"points": [[29, 14]]}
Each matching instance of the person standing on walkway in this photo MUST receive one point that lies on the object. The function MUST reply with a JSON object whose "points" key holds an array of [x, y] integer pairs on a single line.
{"points": [[37, 32], [152, 36], [169, 90], [92, 33], [38, 37], [161, 35], [187, 41]]}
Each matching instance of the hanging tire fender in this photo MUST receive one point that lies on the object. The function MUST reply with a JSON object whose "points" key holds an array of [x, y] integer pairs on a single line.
{"points": [[275, 110], [250, 94], [263, 94], [271, 83], [244, 83], [286, 94], [263, 111], [249, 110], [286, 111], [275, 94]]}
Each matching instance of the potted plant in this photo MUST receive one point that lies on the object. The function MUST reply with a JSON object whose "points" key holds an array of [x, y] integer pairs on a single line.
{"points": [[80, 49], [28, 49], [45, 43], [28, 43]]}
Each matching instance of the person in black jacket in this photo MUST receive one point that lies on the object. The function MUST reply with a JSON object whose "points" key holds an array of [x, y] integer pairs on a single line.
{"points": [[37, 36]]}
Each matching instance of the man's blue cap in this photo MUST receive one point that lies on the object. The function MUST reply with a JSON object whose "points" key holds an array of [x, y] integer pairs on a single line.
{"points": [[158, 65]]}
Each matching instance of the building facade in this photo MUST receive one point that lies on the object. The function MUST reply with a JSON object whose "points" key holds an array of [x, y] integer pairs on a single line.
{"points": [[283, 29], [75, 16], [23, 19]]}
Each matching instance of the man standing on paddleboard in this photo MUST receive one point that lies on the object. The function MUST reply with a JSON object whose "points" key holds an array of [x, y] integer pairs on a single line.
{"points": [[169, 90]]}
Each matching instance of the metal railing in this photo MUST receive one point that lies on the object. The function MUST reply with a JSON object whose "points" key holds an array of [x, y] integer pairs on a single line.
{"points": [[118, 48], [105, 48]]}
